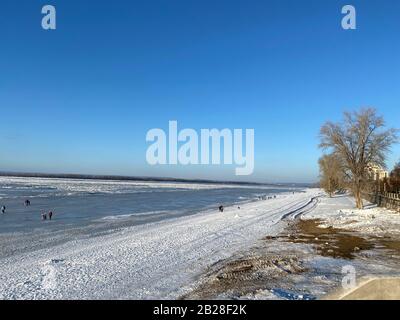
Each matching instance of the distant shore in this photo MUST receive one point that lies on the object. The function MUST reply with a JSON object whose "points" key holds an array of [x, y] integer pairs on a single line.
{"points": [[147, 179]]}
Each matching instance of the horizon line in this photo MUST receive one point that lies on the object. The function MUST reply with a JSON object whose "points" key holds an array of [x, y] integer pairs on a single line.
{"points": [[141, 178]]}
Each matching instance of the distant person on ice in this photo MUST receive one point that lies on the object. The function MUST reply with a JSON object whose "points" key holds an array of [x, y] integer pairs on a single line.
{"points": [[44, 216], [27, 203], [50, 215], [3, 209], [221, 208]]}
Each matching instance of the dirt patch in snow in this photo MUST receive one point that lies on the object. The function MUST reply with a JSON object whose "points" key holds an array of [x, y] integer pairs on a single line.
{"points": [[338, 243], [261, 269], [390, 244], [328, 242], [239, 277]]}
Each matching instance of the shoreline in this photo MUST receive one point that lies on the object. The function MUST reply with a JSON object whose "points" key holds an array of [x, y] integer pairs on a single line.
{"points": [[158, 260], [26, 241], [291, 247], [86, 202]]}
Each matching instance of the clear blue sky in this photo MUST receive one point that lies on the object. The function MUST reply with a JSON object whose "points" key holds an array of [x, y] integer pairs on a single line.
{"points": [[81, 99]]}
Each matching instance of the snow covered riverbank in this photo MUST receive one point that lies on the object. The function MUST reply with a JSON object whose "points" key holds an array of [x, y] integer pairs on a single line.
{"points": [[260, 247], [311, 256], [157, 260], [372, 220]]}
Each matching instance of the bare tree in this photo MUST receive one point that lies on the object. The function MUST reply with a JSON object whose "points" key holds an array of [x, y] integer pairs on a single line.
{"points": [[331, 173], [394, 180], [358, 141]]}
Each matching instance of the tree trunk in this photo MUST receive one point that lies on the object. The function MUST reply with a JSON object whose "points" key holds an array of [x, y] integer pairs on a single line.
{"points": [[359, 202], [357, 195], [330, 187]]}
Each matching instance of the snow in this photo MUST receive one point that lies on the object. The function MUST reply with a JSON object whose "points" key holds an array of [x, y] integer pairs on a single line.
{"points": [[157, 260], [321, 274], [164, 260], [340, 212]]}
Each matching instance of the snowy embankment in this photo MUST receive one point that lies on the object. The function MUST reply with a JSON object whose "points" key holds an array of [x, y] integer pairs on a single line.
{"points": [[306, 260], [339, 212], [158, 260]]}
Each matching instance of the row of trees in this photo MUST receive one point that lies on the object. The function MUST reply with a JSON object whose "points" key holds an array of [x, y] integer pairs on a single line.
{"points": [[350, 147]]}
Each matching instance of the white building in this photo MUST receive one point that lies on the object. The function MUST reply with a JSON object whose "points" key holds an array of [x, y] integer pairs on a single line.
{"points": [[377, 173]]}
